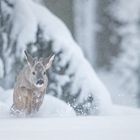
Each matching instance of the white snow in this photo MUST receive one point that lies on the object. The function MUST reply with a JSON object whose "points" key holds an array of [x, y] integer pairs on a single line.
{"points": [[80, 128], [24, 30], [57, 121], [54, 107], [51, 106], [125, 67], [122, 9], [123, 122]]}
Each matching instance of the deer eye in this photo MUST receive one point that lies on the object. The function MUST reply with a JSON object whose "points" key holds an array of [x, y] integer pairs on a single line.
{"points": [[33, 73]]}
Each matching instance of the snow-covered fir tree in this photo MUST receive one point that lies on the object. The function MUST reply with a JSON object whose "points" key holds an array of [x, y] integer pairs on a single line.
{"points": [[127, 64], [107, 40], [28, 25]]}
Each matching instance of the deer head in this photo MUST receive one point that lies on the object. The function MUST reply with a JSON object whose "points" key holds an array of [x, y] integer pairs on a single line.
{"points": [[38, 68]]}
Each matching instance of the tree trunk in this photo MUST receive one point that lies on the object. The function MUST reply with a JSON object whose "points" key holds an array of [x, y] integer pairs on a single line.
{"points": [[85, 27], [107, 40]]}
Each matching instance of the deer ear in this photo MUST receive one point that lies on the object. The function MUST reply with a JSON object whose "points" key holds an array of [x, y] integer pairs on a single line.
{"points": [[29, 58], [47, 62]]}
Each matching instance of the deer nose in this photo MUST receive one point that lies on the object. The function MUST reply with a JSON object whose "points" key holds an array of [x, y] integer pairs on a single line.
{"points": [[40, 82]]}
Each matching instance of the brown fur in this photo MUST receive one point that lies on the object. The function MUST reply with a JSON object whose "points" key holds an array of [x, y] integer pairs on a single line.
{"points": [[26, 97]]}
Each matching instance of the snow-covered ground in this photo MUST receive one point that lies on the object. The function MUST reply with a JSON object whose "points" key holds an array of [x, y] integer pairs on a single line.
{"points": [[119, 95], [51, 107], [57, 121], [78, 128]]}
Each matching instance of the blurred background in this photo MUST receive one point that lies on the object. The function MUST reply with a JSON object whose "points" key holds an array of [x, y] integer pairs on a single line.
{"points": [[108, 31]]}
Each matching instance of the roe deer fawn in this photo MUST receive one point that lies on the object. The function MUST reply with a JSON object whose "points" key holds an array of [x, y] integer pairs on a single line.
{"points": [[30, 86]]}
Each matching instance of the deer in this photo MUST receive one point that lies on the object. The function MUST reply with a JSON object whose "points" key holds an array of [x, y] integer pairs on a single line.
{"points": [[30, 86]]}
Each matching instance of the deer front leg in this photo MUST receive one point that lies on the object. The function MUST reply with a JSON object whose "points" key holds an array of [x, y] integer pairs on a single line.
{"points": [[38, 99], [29, 102], [15, 107], [21, 105], [18, 106]]}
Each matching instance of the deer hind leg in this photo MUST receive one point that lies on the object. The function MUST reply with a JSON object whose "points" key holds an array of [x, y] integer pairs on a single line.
{"points": [[16, 111], [34, 104], [14, 108], [19, 102]]}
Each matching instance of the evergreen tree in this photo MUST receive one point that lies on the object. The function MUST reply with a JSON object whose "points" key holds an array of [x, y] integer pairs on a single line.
{"points": [[126, 65], [107, 38]]}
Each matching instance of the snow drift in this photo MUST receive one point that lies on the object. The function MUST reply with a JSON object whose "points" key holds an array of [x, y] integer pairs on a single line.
{"points": [[51, 107]]}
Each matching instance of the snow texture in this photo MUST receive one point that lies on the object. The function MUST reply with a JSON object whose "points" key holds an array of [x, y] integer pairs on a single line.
{"points": [[122, 9], [81, 128], [56, 120], [51, 107], [127, 64]]}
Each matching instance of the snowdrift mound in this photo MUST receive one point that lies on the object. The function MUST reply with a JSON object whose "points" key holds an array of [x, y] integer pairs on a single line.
{"points": [[51, 107], [54, 107]]}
